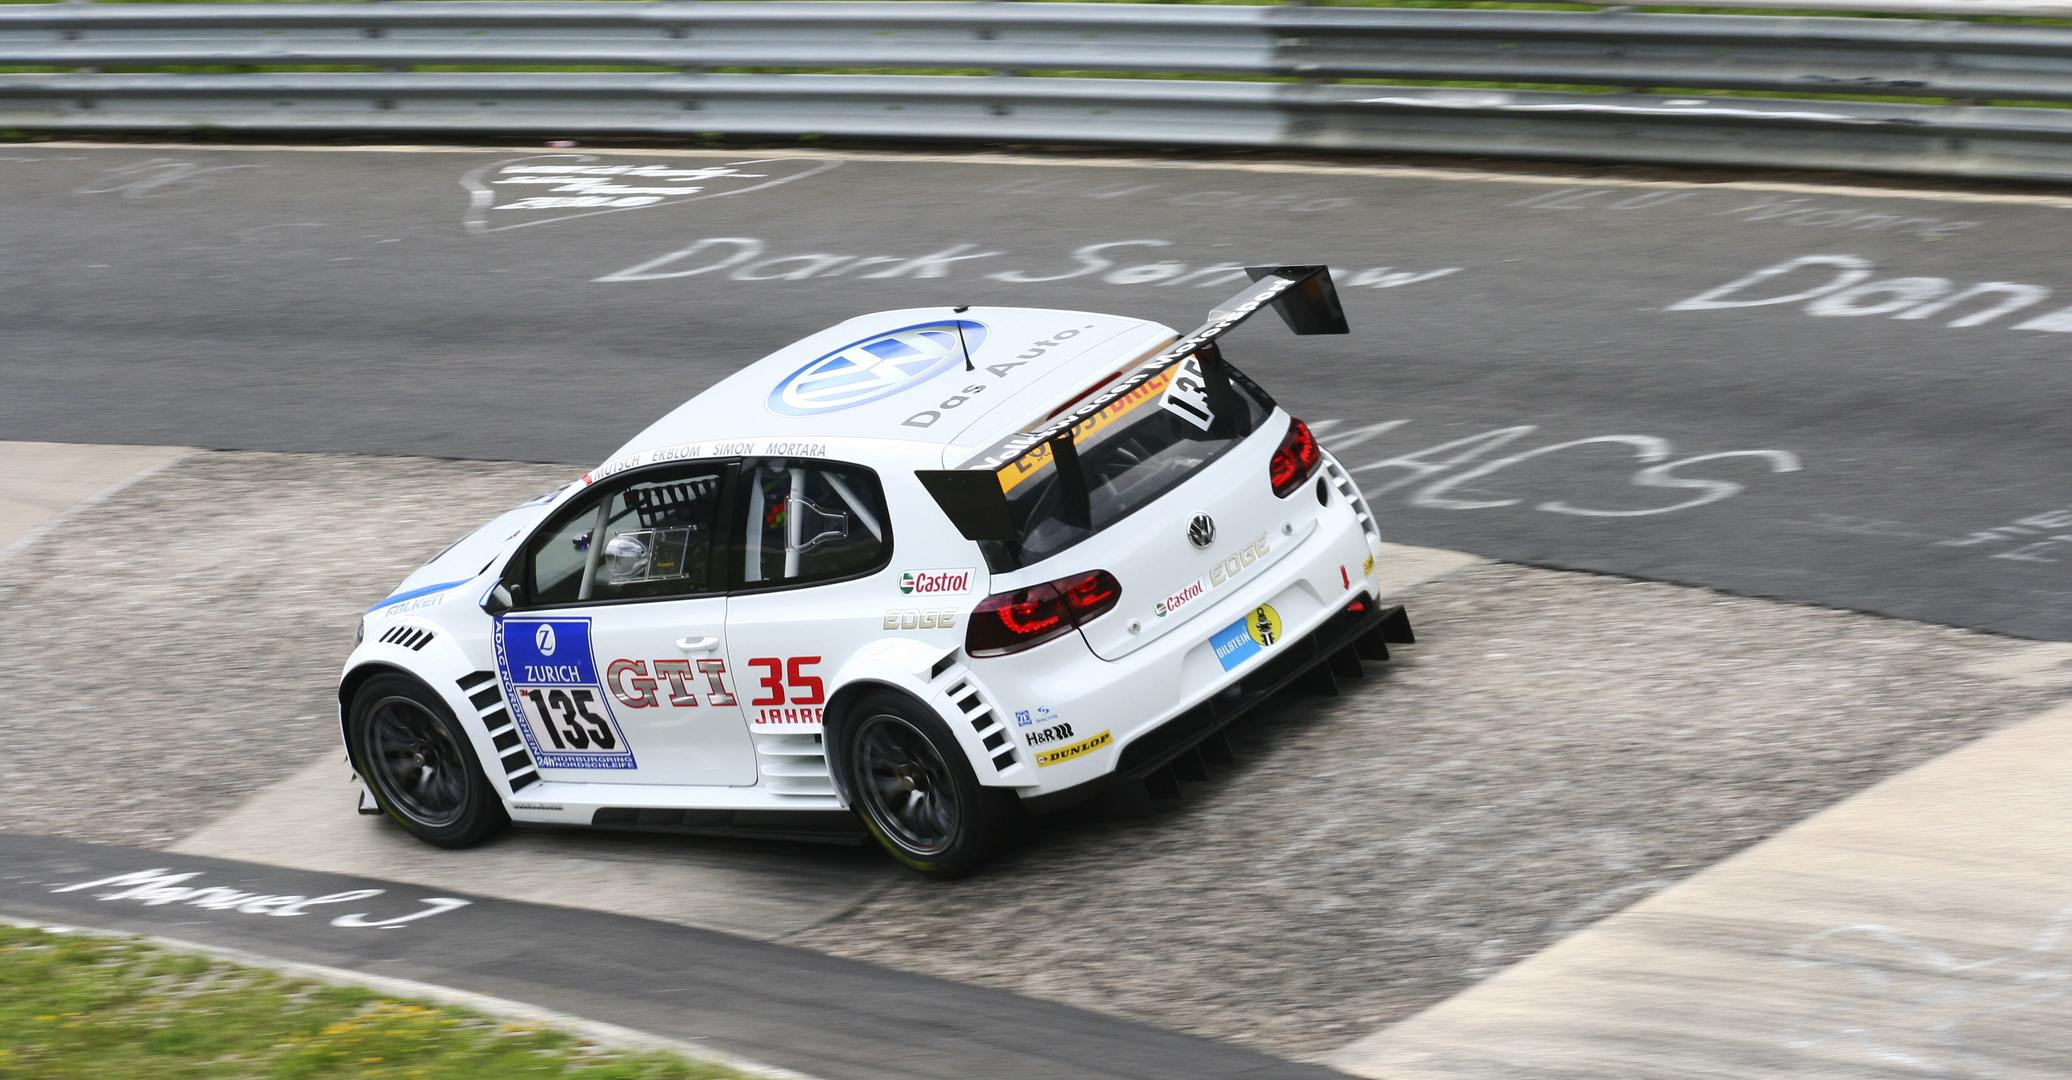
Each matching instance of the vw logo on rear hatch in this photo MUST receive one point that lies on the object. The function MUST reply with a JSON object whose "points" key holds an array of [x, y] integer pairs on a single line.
{"points": [[1201, 532], [876, 367]]}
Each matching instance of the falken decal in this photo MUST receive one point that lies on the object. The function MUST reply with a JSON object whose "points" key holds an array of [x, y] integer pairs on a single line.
{"points": [[550, 680], [876, 367]]}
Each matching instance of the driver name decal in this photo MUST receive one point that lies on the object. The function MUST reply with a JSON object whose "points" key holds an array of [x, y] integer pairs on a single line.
{"points": [[551, 681]]}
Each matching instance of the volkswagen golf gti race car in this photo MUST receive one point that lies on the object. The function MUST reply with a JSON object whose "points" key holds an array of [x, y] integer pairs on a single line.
{"points": [[930, 570]]}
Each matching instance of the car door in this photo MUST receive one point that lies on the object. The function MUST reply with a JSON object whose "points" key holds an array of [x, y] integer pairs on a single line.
{"points": [[813, 541], [617, 659]]}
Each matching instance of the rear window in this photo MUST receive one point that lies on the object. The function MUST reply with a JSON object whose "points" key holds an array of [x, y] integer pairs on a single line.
{"points": [[1139, 447]]}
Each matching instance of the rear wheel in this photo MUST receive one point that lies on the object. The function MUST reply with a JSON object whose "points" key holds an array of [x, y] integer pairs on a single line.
{"points": [[415, 759], [916, 791]]}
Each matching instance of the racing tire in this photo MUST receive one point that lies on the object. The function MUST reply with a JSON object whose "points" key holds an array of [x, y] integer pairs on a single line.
{"points": [[916, 791], [418, 763]]}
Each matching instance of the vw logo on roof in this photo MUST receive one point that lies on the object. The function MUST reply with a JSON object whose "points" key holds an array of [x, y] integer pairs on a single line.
{"points": [[876, 367]]}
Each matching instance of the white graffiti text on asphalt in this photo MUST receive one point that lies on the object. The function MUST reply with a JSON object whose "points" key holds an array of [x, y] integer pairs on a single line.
{"points": [[1913, 1002], [1453, 475], [2036, 534], [568, 186], [1841, 286], [747, 258], [159, 887], [155, 178]]}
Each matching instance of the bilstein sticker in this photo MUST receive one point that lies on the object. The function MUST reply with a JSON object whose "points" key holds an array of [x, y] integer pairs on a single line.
{"points": [[1079, 749], [875, 368], [1245, 638]]}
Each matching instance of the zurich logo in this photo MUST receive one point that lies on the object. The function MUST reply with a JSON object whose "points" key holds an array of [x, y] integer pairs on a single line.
{"points": [[544, 639], [1201, 532], [875, 368]]}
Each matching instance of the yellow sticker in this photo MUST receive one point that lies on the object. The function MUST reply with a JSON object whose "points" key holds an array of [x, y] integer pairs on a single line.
{"points": [[1078, 749], [1367, 567], [1264, 624], [1037, 458]]}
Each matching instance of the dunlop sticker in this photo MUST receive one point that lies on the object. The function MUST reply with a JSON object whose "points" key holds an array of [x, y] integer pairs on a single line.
{"points": [[1078, 749]]}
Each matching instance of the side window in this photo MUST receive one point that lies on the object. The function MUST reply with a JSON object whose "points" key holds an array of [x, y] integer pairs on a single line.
{"points": [[809, 521], [649, 537]]}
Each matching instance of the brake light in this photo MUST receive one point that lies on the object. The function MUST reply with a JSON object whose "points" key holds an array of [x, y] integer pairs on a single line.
{"points": [[1090, 596], [1295, 461], [1025, 618]]}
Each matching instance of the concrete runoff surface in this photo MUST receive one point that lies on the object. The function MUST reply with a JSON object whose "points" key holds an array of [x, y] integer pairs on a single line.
{"points": [[1917, 929], [1555, 748], [39, 482], [1543, 369]]}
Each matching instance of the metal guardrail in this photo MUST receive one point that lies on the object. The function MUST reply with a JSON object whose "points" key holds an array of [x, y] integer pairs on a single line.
{"points": [[1911, 58]]}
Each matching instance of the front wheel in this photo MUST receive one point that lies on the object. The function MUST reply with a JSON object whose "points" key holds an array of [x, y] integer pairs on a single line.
{"points": [[916, 791], [415, 759]]}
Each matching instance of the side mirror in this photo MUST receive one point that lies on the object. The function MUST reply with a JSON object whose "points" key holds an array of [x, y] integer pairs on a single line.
{"points": [[509, 591]]}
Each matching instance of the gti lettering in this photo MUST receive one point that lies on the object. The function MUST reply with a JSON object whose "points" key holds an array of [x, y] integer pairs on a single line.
{"points": [[715, 672], [631, 684], [637, 691]]}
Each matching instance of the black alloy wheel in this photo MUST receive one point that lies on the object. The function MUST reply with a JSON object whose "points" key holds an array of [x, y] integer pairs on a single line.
{"points": [[907, 785], [916, 791], [416, 760]]}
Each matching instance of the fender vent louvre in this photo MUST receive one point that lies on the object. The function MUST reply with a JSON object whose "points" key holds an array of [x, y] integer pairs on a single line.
{"points": [[503, 732], [983, 718], [468, 684], [414, 638]]}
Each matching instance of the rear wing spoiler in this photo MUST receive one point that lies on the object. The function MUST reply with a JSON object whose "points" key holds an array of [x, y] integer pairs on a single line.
{"points": [[973, 496]]}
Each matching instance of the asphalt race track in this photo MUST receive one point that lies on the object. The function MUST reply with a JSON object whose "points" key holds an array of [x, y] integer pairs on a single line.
{"points": [[830, 1018], [1541, 371]]}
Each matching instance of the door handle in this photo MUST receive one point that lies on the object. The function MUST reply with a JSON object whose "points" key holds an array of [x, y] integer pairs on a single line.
{"points": [[703, 644]]}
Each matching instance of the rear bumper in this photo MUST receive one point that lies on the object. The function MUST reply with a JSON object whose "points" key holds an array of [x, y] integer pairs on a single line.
{"points": [[1361, 630], [1362, 618]]}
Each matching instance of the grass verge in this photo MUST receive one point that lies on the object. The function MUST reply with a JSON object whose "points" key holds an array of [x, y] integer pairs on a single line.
{"points": [[85, 1008]]}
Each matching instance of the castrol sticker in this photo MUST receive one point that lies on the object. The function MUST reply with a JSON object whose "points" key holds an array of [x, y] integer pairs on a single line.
{"points": [[936, 582], [1187, 594]]}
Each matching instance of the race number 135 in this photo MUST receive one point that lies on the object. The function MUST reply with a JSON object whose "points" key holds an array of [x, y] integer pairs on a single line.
{"points": [[567, 719]]}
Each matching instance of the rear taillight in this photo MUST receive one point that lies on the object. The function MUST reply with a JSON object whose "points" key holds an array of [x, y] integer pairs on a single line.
{"points": [[1025, 618], [1295, 461]]}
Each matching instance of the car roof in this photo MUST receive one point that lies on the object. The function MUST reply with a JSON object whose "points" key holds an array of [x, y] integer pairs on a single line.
{"points": [[898, 380]]}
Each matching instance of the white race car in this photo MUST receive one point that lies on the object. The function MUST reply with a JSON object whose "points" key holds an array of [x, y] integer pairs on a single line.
{"points": [[933, 569]]}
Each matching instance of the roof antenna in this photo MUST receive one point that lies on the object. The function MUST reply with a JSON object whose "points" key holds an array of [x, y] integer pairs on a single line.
{"points": [[959, 323]]}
